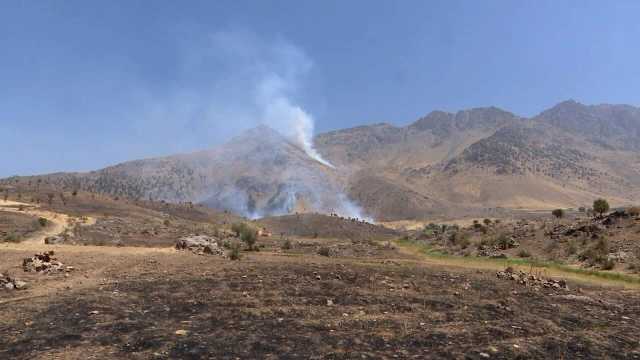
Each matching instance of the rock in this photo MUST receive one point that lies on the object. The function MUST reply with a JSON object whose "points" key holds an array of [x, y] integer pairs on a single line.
{"points": [[182, 332], [8, 283], [42, 263], [54, 240], [523, 278], [200, 244]]}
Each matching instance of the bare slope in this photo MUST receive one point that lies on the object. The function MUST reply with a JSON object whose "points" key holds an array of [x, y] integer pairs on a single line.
{"points": [[444, 163]]}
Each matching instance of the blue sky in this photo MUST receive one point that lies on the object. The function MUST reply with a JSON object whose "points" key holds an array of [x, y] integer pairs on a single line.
{"points": [[88, 84]]}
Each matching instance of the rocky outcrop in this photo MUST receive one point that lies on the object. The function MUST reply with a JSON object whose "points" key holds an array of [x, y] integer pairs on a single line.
{"points": [[201, 245]]}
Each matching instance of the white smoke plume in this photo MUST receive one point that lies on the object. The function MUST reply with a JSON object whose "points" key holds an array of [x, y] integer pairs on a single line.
{"points": [[278, 109], [234, 81]]}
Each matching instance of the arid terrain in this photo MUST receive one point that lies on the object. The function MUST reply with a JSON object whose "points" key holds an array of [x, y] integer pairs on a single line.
{"points": [[319, 287], [434, 240], [473, 162]]}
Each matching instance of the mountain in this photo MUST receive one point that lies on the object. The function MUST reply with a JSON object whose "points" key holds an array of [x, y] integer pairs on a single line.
{"points": [[486, 158], [257, 173], [442, 165], [613, 126]]}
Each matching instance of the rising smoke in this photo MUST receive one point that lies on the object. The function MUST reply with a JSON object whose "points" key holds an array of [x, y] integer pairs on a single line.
{"points": [[235, 81], [278, 109]]}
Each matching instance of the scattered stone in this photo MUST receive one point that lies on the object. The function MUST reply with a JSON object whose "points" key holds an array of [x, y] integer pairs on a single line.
{"points": [[42, 263], [54, 240], [182, 332], [9, 283], [201, 245], [531, 280]]}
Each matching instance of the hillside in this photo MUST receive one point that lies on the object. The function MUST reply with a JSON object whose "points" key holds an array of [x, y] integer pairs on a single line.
{"points": [[444, 164], [477, 160]]}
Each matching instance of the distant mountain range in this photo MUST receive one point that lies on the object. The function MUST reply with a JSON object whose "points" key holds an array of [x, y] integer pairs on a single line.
{"points": [[442, 164]]}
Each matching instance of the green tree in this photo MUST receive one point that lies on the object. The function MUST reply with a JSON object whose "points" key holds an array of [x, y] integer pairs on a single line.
{"points": [[558, 213], [249, 237], [600, 206]]}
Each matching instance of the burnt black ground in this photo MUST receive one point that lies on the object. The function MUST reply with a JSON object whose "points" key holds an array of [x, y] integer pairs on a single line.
{"points": [[274, 306]]}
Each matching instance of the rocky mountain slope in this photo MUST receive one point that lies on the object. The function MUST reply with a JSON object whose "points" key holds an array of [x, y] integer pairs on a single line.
{"points": [[485, 158], [444, 164]]}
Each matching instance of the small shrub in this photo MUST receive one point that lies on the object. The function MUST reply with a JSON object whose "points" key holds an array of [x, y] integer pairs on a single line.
{"points": [[167, 223], [503, 241], [608, 264], [601, 206], [596, 254], [487, 222], [324, 251], [43, 222], [12, 237], [524, 253], [463, 240], [558, 213], [486, 241], [572, 248], [634, 211], [238, 228], [248, 236], [235, 254], [287, 245]]}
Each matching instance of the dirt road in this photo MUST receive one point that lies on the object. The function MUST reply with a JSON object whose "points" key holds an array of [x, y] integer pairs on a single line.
{"points": [[58, 223]]}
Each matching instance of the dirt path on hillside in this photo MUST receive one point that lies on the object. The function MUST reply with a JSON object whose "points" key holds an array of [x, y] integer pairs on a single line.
{"points": [[58, 222]]}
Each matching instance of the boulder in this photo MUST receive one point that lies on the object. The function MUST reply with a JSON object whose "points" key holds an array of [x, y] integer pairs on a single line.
{"points": [[8, 283], [54, 240], [42, 263], [200, 244]]}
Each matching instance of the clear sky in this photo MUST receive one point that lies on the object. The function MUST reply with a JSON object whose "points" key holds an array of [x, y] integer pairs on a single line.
{"points": [[85, 84]]}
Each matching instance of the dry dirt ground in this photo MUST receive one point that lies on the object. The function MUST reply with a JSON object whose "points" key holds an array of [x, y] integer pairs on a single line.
{"points": [[366, 300]]}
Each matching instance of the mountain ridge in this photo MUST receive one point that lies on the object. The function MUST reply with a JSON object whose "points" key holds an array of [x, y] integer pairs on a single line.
{"points": [[442, 163]]}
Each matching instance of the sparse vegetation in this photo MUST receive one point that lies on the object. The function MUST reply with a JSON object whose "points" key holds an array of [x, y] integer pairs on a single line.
{"points": [[234, 253], [503, 241], [597, 253], [42, 222], [572, 247], [523, 253], [608, 264], [248, 235], [460, 238], [558, 213], [286, 245], [12, 237], [324, 251], [600, 206]]}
